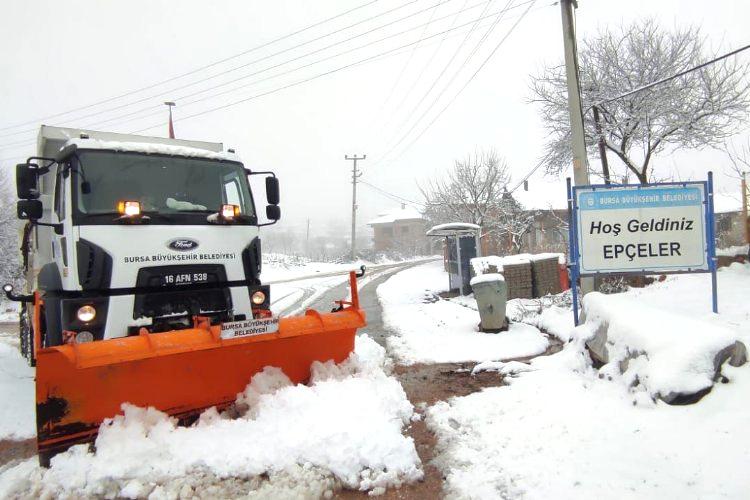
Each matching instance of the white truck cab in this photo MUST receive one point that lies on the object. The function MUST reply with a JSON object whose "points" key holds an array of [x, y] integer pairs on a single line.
{"points": [[128, 232]]}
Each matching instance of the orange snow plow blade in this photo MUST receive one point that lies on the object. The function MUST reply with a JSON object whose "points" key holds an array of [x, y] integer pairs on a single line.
{"points": [[180, 372]]}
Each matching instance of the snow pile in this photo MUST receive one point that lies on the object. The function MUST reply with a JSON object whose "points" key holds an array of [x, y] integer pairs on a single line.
{"points": [[343, 429], [559, 429], [733, 251], [17, 419], [558, 433], [486, 278], [150, 148], [666, 354], [434, 330]]}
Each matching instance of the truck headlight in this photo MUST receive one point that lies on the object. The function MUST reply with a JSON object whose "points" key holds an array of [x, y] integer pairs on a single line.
{"points": [[86, 313], [258, 297]]}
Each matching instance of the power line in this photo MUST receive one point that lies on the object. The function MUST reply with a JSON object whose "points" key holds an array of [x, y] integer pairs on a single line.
{"points": [[529, 174], [487, 59], [233, 69], [437, 79], [272, 91], [677, 75], [136, 112], [196, 70], [408, 61], [250, 63], [390, 195], [326, 73], [428, 63], [453, 78]]}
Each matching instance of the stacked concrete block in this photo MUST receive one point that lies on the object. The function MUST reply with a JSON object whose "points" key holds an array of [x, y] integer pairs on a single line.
{"points": [[545, 276], [519, 278]]}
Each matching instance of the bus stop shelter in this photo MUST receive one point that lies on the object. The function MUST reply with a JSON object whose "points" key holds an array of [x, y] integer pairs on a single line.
{"points": [[462, 241]]}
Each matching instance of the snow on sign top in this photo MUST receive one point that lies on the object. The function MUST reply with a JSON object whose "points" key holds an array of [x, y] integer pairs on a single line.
{"points": [[151, 148], [453, 229], [400, 214]]}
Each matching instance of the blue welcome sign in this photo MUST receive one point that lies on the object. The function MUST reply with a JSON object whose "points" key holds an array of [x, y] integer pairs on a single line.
{"points": [[642, 229]]}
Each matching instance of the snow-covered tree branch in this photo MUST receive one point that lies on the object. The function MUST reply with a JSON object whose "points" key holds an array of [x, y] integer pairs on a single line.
{"points": [[699, 109], [475, 191]]}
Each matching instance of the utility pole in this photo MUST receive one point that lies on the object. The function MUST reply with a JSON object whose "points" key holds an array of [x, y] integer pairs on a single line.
{"points": [[580, 163], [356, 174], [307, 240], [170, 128]]}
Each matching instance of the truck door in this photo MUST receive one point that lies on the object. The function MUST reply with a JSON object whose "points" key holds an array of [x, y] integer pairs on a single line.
{"points": [[61, 237]]}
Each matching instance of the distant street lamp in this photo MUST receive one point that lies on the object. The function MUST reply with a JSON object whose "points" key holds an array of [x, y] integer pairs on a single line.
{"points": [[171, 125]]}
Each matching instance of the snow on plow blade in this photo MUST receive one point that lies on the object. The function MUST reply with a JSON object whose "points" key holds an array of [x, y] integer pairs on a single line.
{"points": [[180, 372]]}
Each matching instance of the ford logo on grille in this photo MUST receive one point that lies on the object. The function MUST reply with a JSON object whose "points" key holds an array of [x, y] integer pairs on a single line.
{"points": [[182, 244]]}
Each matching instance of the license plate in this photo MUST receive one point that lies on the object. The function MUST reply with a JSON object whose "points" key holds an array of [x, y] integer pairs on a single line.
{"points": [[249, 328], [184, 278]]}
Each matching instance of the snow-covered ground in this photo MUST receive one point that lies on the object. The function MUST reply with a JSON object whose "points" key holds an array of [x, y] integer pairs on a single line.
{"points": [[16, 391], [293, 297], [434, 330], [562, 429], [344, 428], [8, 312], [296, 296]]}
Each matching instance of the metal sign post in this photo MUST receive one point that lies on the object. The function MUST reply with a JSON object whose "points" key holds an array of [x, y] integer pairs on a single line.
{"points": [[639, 229]]}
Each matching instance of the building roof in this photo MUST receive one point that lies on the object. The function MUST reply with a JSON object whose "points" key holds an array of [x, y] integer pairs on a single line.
{"points": [[400, 214]]}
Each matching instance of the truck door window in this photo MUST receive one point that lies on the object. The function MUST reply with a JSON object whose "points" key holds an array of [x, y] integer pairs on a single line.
{"points": [[232, 192]]}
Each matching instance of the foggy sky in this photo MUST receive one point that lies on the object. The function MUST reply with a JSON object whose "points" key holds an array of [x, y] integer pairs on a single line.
{"points": [[62, 55]]}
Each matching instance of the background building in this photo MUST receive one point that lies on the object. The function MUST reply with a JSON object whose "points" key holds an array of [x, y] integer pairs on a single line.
{"points": [[401, 230]]}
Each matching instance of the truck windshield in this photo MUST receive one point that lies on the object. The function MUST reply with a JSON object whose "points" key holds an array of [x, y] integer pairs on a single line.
{"points": [[186, 189]]}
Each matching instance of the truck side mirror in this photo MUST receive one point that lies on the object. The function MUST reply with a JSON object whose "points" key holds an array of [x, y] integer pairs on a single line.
{"points": [[26, 181], [273, 212], [29, 209], [272, 191]]}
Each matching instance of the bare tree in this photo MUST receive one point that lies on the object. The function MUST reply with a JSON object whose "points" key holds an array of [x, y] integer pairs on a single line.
{"points": [[10, 234], [739, 156], [699, 109], [475, 191]]}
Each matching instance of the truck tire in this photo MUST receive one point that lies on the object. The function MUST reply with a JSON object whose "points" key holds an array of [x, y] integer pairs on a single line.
{"points": [[27, 336]]}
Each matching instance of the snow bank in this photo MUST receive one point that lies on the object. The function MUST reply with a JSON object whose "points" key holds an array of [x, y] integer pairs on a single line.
{"points": [[433, 330], [17, 419], [557, 433], [344, 429], [560, 429], [667, 354]]}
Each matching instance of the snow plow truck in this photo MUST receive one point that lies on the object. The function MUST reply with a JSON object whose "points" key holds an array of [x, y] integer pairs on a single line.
{"points": [[143, 263]]}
